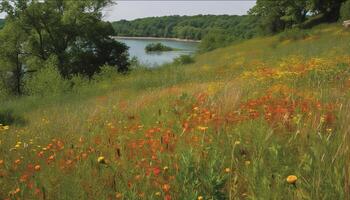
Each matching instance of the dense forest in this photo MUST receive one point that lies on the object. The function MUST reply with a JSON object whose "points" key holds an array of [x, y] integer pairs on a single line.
{"points": [[188, 27]]}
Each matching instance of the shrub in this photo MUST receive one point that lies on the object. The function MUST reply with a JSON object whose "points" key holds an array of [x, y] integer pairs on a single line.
{"points": [[157, 47], [78, 82], [46, 81], [184, 60], [215, 39], [293, 34], [345, 11], [4, 90], [136, 64], [107, 72]]}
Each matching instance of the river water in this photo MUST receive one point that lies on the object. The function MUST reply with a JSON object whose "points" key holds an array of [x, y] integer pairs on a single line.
{"points": [[137, 49]]}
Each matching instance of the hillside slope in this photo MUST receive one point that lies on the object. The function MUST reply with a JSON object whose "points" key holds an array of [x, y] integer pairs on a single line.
{"points": [[233, 125]]}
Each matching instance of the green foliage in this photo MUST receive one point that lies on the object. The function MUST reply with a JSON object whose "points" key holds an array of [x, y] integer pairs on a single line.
{"points": [[11, 57], [184, 60], [330, 8], [47, 81], [157, 47], [276, 16], [293, 34], [188, 27], [201, 177], [73, 31], [345, 11], [4, 92], [79, 83], [107, 73], [215, 39], [2, 23]]}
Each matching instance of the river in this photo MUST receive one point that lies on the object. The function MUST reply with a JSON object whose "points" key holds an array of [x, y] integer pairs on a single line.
{"points": [[137, 49]]}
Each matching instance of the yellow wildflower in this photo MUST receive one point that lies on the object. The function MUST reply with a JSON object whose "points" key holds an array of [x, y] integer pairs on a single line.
{"points": [[292, 179], [202, 128], [118, 195], [101, 160]]}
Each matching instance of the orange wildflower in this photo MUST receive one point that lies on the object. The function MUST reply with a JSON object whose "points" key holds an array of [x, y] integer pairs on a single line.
{"points": [[166, 187], [37, 168], [18, 161]]}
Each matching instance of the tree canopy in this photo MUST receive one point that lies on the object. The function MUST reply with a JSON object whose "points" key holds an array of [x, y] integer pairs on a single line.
{"points": [[277, 15], [70, 31], [188, 27]]}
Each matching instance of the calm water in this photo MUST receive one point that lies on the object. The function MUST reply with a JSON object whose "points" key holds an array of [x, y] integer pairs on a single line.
{"points": [[137, 49]]}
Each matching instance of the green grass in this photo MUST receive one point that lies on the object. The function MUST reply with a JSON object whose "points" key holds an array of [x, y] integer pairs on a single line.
{"points": [[232, 125]]}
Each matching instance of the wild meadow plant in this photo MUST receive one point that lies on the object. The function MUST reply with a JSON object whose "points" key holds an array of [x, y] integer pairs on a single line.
{"points": [[245, 122]]}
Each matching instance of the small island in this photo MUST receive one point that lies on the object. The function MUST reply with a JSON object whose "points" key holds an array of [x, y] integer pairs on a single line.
{"points": [[155, 47]]}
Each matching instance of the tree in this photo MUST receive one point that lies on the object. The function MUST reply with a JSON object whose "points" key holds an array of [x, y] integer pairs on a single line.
{"points": [[11, 57], [329, 8], [277, 15], [72, 31], [270, 13], [345, 11]]}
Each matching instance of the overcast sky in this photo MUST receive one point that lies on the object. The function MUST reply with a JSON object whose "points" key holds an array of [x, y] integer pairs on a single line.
{"points": [[138, 9]]}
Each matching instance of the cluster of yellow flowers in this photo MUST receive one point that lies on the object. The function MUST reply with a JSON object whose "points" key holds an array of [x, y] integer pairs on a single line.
{"points": [[273, 74], [3, 127]]}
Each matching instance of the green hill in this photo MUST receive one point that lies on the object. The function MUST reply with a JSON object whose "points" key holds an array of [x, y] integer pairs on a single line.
{"points": [[242, 122]]}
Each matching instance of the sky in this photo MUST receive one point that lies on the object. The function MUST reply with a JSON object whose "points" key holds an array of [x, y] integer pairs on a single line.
{"points": [[133, 9]]}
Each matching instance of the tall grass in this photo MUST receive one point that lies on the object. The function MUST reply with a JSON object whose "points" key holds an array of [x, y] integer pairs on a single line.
{"points": [[232, 125]]}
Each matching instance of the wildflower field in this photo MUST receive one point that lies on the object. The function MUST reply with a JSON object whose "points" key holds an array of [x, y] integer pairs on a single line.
{"points": [[262, 119]]}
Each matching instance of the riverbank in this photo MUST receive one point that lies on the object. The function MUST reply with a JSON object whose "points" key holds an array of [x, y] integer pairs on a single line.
{"points": [[154, 38]]}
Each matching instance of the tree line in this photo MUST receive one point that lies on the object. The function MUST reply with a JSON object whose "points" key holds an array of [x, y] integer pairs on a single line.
{"points": [[187, 27], [266, 17], [279, 15], [61, 35]]}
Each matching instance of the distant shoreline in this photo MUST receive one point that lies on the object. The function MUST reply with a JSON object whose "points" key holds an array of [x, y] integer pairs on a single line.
{"points": [[154, 38]]}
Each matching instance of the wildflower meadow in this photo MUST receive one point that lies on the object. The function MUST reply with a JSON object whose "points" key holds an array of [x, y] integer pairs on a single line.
{"points": [[262, 119]]}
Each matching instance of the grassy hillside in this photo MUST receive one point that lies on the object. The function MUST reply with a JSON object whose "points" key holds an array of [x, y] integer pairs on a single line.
{"points": [[233, 125], [189, 27]]}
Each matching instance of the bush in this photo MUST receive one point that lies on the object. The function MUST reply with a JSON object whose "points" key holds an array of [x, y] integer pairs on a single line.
{"points": [[4, 87], [78, 82], [345, 11], [184, 60], [46, 81], [106, 73], [157, 47], [215, 39], [293, 34]]}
